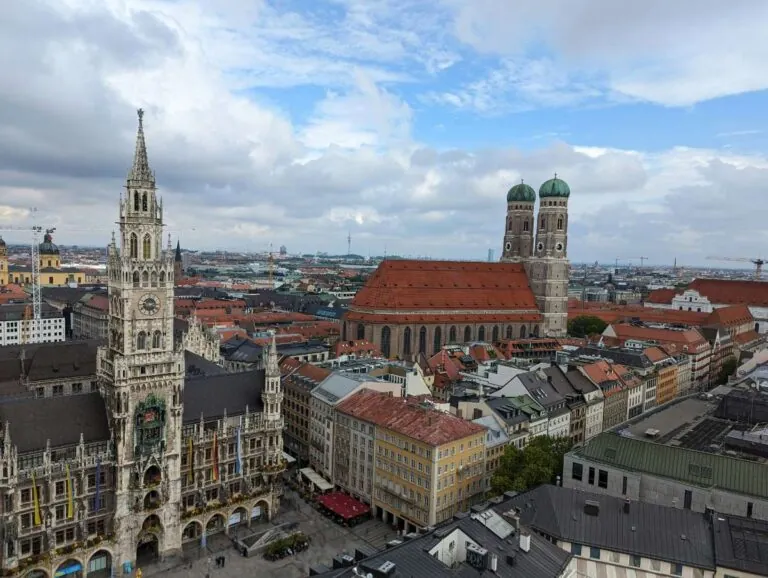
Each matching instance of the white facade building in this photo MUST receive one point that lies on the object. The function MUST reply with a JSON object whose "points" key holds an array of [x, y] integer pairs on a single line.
{"points": [[16, 329]]}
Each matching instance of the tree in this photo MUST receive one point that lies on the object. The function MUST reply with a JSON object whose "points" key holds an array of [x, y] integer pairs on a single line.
{"points": [[585, 325], [540, 462], [728, 369]]}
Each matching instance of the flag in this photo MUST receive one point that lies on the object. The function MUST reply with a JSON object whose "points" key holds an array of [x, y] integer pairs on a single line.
{"points": [[190, 461], [239, 462], [70, 496], [36, 502], [97, 498], [215, 458]]}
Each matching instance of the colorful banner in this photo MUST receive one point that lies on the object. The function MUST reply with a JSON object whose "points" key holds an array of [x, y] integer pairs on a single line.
{"points": [[70, 497], [36, 502], [190, 461], [215, 457], [239, 462], [97, 499]]}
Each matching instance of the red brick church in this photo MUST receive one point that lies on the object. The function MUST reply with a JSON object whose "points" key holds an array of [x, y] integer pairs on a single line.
{"points": [[409, 307]]}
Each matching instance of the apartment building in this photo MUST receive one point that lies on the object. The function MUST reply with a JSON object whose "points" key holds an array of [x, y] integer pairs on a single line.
{"points": [[604, 375], [667, 370], [18, 327], [496, 442], [429, 464]]}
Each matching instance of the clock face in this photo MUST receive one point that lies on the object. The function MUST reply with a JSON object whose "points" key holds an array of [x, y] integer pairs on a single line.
{"points": [[540, 247], [559, 247], [508, 246], [149, 305]]}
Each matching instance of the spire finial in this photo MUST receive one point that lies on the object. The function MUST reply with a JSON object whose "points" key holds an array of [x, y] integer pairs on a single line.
{"points": [[522, 181], [140, 171], [555, 175]]}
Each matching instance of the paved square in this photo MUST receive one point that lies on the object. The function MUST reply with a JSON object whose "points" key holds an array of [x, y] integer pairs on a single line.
{"points": [[328, 540]]}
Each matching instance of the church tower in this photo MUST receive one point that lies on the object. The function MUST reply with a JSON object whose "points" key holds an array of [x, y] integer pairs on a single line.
{"points": [[518, 234], [272, 396], [548, 268], [4, 277], [142, 372], [178, 267]]}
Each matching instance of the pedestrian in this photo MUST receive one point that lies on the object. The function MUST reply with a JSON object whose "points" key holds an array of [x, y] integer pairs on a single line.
{"points": [[223, 561]]}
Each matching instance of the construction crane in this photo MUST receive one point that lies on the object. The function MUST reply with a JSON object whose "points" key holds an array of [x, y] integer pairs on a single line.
{"points": [[641, 259], [757, 262], [271, 266], [32, 328]]}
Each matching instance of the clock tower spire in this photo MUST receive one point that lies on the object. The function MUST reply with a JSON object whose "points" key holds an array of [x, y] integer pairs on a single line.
{"points": [[141, 369]]}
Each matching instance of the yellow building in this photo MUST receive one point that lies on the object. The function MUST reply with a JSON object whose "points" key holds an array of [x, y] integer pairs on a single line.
{"points": [[429, 464], [51, 272], [666, 368]]}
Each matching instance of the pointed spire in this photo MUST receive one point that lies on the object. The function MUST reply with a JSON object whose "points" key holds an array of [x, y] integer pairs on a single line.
{"points": [[178, 252], [140, 172]]}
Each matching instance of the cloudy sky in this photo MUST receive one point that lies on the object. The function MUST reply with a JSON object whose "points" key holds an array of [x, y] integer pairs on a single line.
{"points": [[401, 122]]}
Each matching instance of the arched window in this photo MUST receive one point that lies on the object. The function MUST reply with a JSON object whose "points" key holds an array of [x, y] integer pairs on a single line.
{"points": [[509, 332], [423, 340], [385, 339], [135, 278], [147, 249], [495, 333], [560, 224], [153, 279], [543, 222], [360, 331], [144, 202], [438, 339], [481, 333], [136, 203], [523, 334], [162, 284], [452, 334], [141, 340], [343, 325], [407, 341], [535, 330], [467, 334], [145, 279], [134, 246], [525, 225], [156, 340]]}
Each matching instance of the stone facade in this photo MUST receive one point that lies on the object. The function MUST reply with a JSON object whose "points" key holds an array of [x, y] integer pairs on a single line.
{"points": [[201, 340]]}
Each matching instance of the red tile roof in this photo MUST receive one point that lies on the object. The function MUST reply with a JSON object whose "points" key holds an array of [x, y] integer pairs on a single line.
{"points": [[359, 346], [731, 315], [747, 337], [611, 313], [446, 285], [729, 292], [407, 417], [661, 296], [655, 354], [689, 337]]}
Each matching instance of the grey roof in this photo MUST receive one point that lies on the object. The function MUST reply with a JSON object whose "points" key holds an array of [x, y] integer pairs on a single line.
{"points": [[495, 434], [647, 530], [214, 395], [303, 348], [337, 386], [65, 360], [59, 419], [241, 350], [197, 365], [412, 558], [741, 544], [568, 382], [15, 311], [634, 359], [540, 389]]}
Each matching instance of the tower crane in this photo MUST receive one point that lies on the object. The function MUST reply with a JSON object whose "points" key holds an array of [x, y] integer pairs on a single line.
{"points": [[756, 261], [271, 266], [33, 334]]}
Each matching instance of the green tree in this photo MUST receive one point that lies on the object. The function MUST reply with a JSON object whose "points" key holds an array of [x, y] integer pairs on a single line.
{"points": [[585, 325], [728, 369], [540, 462]]}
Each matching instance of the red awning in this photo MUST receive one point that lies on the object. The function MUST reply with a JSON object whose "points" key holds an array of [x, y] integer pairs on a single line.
{"points": [[343, 505]]}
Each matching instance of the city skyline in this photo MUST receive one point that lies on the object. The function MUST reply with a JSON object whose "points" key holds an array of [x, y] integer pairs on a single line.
{"points": [[402, 126]]}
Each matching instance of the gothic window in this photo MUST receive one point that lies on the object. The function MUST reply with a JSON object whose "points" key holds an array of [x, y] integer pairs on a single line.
{"points": [[141, 340], [509, 225], [407, 341], [144, 202], [134, 246], [423, 340], [509, 332], [452, 334], [147, 247], [543, 222], [438, 339], [481, 333], [145, 279], [523, 335], [560, 224], [495, 333], [162, 284], [360, 331], [156, 340], [467, 334], [135, 278], [535, 330], [525, 225], [385, 338], [153, 278], [136, 200]]}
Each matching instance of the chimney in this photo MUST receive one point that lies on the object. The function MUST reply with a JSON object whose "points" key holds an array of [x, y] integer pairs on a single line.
{"points": [[525, 541], [626, 506]]}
